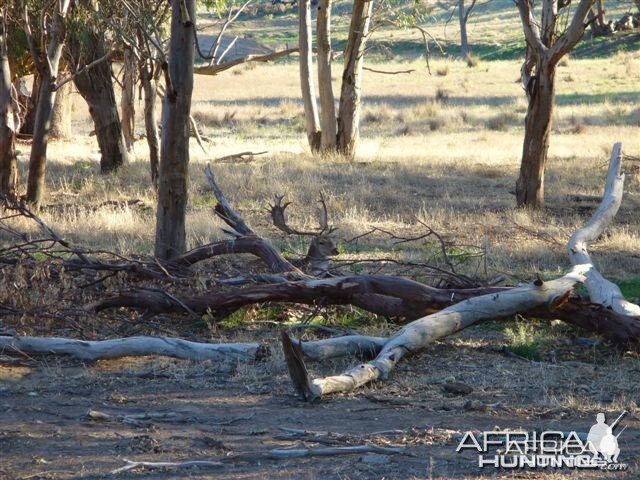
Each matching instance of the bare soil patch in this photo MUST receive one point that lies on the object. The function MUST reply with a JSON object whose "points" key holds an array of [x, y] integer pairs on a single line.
{"points": [[195, 413]]}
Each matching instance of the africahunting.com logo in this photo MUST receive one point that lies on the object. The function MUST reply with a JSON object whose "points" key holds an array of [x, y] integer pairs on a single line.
{"points": [[549, 449]]}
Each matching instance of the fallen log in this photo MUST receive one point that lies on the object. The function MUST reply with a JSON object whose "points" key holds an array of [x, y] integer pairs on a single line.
{"points": [[612, 314], [252, 245], [420, 333], [224, 353], [602, 291], [380, 294]]}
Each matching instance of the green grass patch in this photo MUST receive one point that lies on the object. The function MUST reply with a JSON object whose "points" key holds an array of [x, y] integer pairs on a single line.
{"points": [[630, 288], [528, 340]]}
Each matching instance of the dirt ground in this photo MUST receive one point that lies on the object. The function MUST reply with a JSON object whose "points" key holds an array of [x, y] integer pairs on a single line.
{"points": [[195, 413]]}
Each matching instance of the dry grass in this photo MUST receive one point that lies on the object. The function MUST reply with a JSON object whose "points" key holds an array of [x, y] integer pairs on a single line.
{"points": [[451, 161]]}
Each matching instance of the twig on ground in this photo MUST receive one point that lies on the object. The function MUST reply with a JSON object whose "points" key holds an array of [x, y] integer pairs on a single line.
{"points": [[162, 465]]}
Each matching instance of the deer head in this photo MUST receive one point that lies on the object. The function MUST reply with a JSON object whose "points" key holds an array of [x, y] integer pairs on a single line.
{"points": [[322, 244]]}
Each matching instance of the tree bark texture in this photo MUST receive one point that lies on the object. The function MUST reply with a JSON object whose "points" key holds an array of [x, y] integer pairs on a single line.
{"points": [[174, 151], [601, 290], [128, 98], [328, 121], [48, 70], [8, 161], [420, 333], [29, 118], [351, 93], [61, 115], [307, 83], [134, 347], [96, 87], [464, 41], [148, 80], [530, 184], [545, 48]]}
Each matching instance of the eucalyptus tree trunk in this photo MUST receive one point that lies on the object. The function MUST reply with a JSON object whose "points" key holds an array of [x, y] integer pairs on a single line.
{"points": [[8, 162], [464, 41], [96, 87], [530, 184], [127, 100], [61, 115], [48, 70], [328, 124], [148, 73], [351, 93], [31, 104], [174, 151], [307, 84], [544, 50]]}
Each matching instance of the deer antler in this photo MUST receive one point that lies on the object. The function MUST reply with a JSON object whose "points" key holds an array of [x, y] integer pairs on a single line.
{"points": [[280, 219], [277, 211], [324, 222]]}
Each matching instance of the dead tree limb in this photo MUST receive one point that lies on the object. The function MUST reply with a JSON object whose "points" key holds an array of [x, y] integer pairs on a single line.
{"points": [[224, 209], [380, 294], [420, 333], [216, 69], [254, 245], [91, 351], [601, 290]]}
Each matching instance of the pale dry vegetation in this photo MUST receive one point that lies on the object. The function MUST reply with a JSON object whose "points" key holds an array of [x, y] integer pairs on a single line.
{"points": [[446, 152]]}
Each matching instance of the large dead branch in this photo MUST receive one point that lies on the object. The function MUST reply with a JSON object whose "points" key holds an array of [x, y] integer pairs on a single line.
{"points": [[224, 209], [542, 298], [224, 353], [381, 294], [216, 69], [254, 245], [601, 290], [246, 240], [420, 333]]}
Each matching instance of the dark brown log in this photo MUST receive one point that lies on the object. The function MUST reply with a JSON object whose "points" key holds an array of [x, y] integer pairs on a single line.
{"points": [[253, 245], [382, 295]]}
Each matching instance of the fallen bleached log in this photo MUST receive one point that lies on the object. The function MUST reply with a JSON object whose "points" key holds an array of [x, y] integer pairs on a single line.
{"points": [[601, 290], [135, 347], [420, 333], [347, 345]]}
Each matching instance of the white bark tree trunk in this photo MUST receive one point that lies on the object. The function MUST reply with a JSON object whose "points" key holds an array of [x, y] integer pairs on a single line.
{"points": [[61, 115], [307, 84]]}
